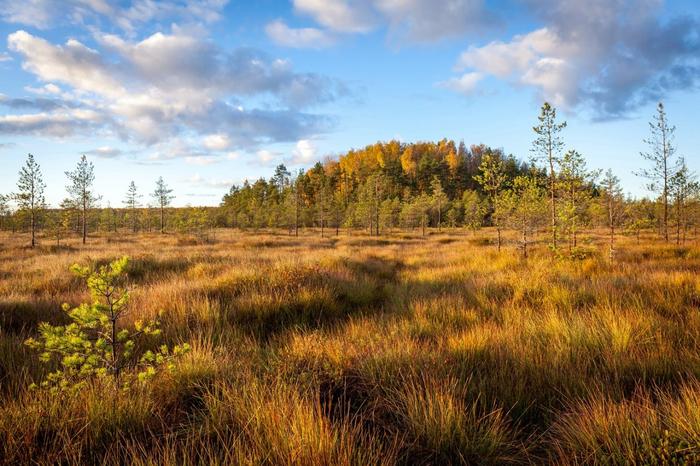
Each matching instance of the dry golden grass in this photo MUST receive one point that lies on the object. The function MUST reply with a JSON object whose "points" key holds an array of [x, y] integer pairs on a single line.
{"points": [[358, 350]]}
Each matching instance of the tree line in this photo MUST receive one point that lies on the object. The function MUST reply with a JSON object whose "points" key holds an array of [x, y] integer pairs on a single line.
{"points": [[392, 185], [79, 213]]}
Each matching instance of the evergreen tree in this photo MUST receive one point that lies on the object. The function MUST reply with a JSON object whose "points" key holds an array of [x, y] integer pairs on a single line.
{"points": [[132, 203], [575, 186], [682, 186], [492, 178], [163, 197], [613, 204], [30, 193], [661, 153], [548, 146], [80, 188], [526, 209]]}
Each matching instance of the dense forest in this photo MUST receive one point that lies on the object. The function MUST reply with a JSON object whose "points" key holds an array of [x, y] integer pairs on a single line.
{"points": [[391, 185]]}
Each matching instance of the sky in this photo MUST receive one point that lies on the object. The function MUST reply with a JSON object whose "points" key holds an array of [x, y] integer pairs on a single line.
{"points": [[208, 93]]}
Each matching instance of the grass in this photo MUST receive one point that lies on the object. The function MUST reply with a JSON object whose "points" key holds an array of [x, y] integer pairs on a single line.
{"points": [[355, 350]]}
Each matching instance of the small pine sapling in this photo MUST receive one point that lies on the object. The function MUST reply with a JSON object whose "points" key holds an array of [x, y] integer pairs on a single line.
{"points": [[95, 344]]}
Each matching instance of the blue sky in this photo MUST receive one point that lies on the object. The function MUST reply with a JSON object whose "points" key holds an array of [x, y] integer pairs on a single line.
{"points": [[207, 93]]}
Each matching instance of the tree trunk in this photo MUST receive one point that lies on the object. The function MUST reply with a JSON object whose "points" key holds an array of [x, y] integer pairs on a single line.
{"points": [[33, 221], [84, 220]]}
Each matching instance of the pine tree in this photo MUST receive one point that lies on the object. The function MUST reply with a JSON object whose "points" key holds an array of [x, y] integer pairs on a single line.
{"points": [[4, 210], [548, 146], [575, 183], [132, 203], [80, 188], [474, 210], [163, 197], [30, 193], [525, 208], [614, 203], [661, 153], [492, 178], [682, 185]]}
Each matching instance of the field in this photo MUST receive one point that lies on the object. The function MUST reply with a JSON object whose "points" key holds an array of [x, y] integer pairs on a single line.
{"points": [[361, 350]]}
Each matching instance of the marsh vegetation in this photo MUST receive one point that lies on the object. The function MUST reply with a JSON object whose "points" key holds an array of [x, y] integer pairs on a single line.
{"points": [[404, 349]]}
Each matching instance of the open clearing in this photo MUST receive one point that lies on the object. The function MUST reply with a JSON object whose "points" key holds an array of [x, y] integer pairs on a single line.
{"points": [[363, 350]]}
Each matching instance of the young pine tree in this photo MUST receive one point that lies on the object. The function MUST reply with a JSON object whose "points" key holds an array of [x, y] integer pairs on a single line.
{"points": [[492, 178], [30, 193], [526, 207], [4, 211], [575, 181], [547, 146], [80, 188], [97, 344], [163, 197], [613, 200], [661, 153], [682, 186], [474, 210], [132, 203]]}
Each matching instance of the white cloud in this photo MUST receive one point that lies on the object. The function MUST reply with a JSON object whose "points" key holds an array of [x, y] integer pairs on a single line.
{"points": [[340, 15], [217, 142], [171, 84], [304, 153], [105, 152], [73, 63], [610, 55], [465, 84], [128, 15], [285, 36], [46, 89], [57, 124], [414, 20], [266, 157]]}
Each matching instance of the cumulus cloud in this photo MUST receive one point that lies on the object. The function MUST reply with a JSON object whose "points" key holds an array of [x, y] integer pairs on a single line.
{"points": [[304, 153], [465, 84], [266, 157], [167, 85], [414, 20], [611, 55], [217, 142], [340, 15], [128, 15], [57, 124], [286, 36], [40, 103]]}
